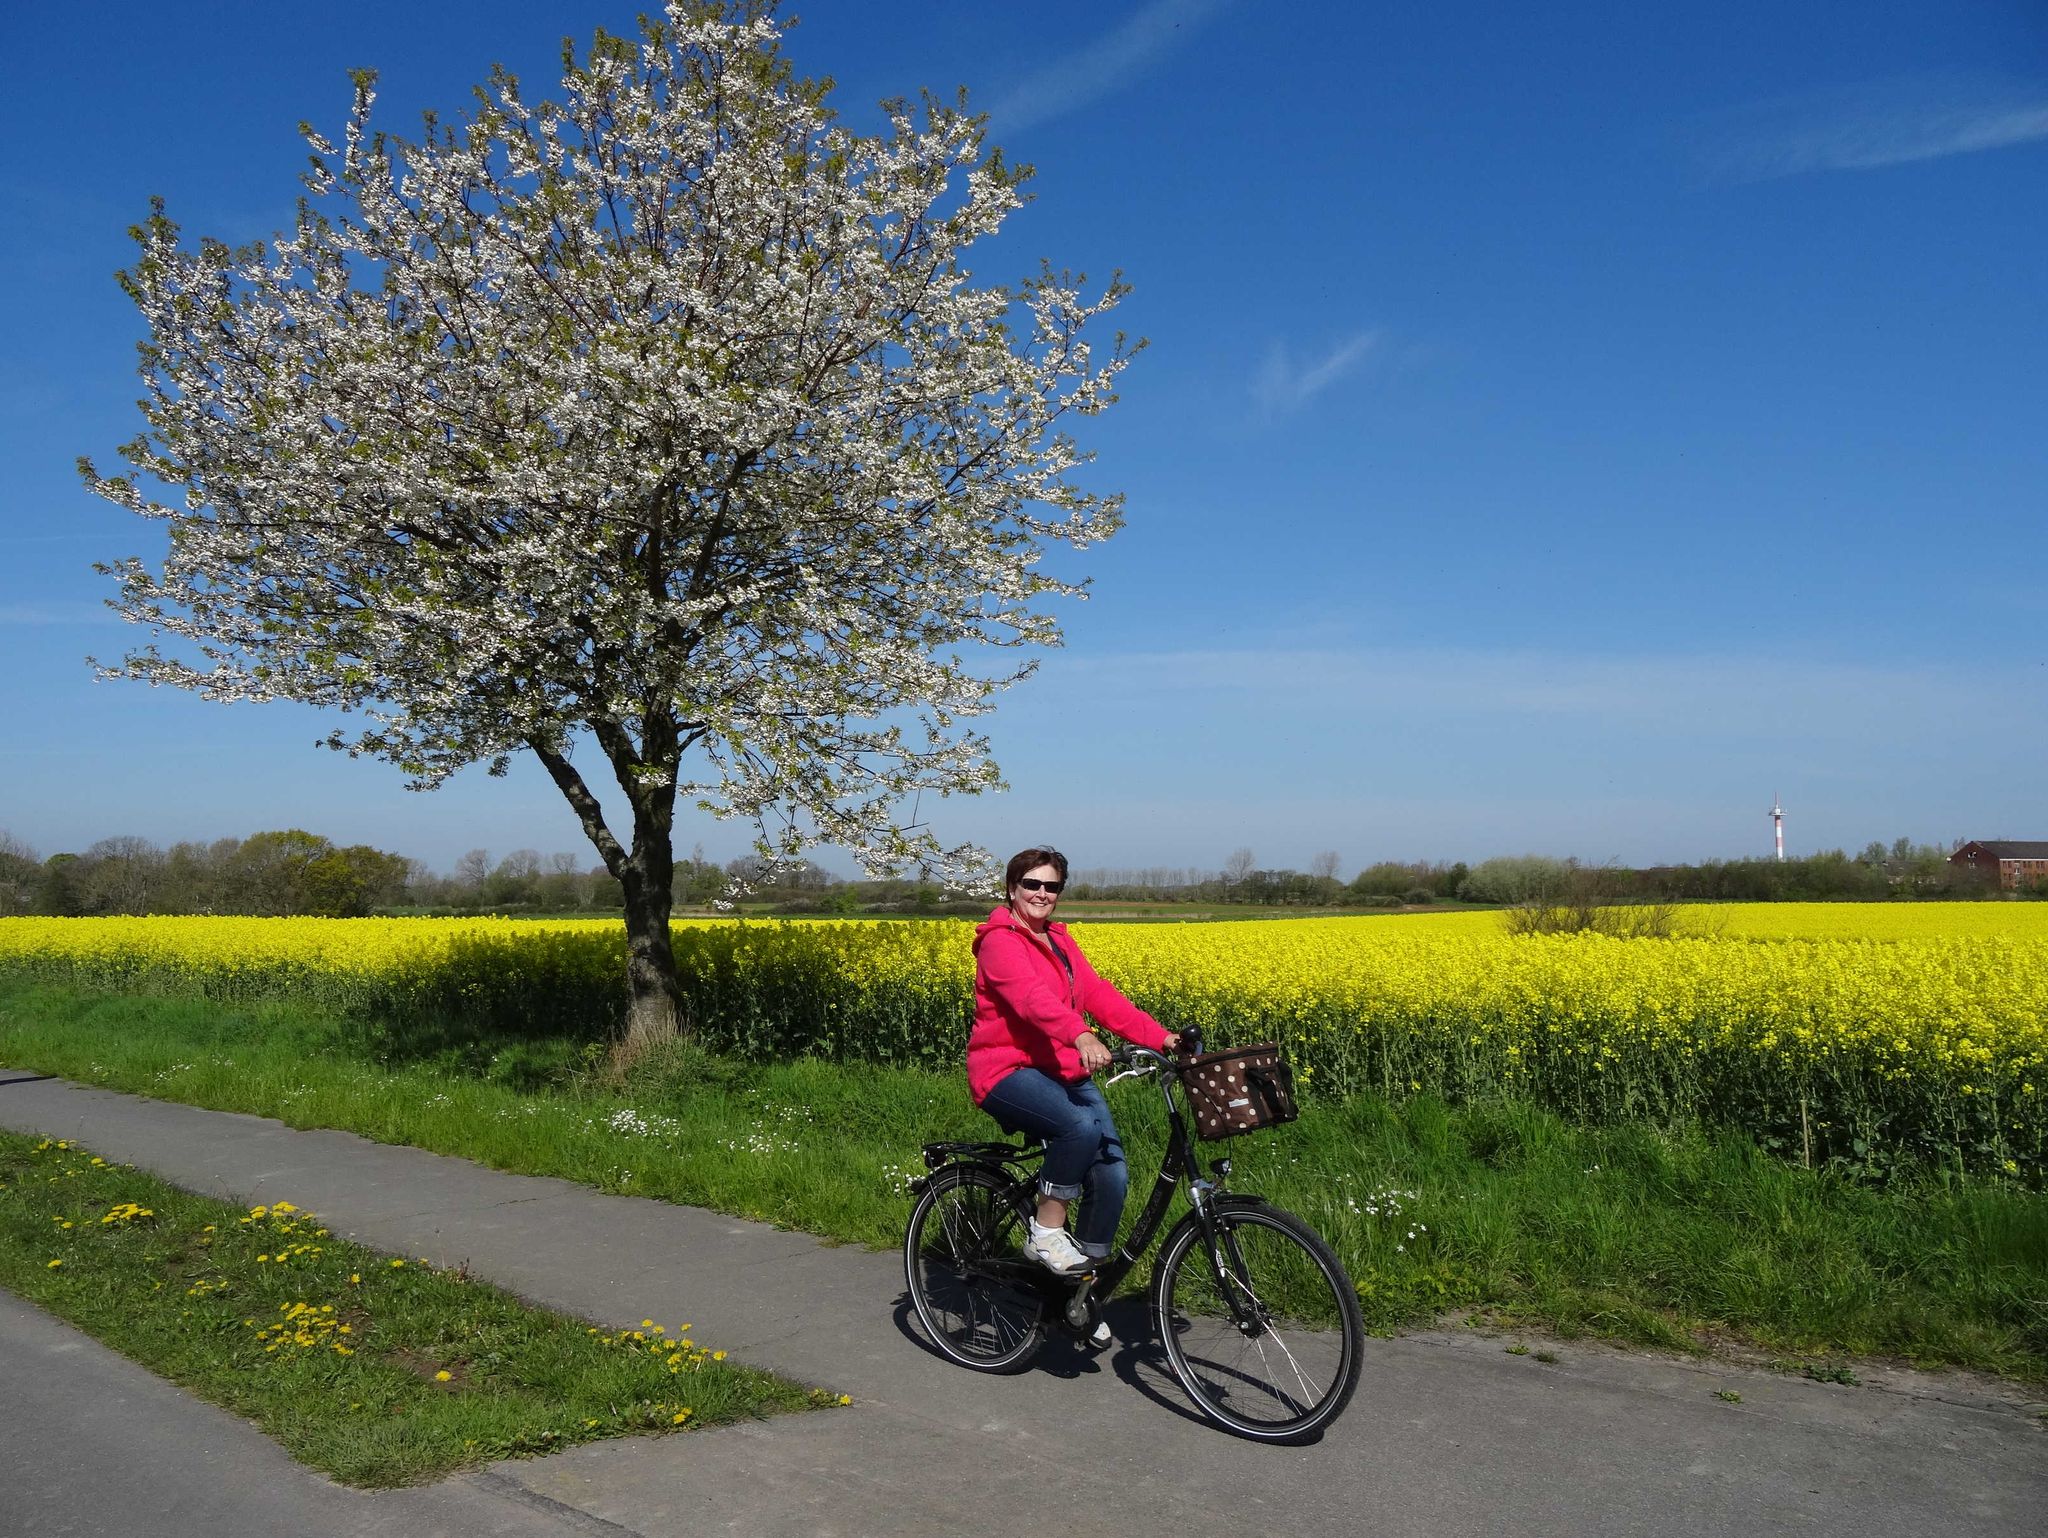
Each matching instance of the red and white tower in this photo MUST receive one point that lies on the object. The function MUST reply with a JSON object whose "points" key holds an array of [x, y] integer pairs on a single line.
{"points": [[1778, 824]]}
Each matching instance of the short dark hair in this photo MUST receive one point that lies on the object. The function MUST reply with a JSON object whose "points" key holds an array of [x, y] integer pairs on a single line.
{"points": [[1031, 859]]}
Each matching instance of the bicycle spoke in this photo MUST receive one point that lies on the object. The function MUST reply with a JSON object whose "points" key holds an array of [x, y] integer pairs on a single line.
{"points": [[1236, 1277], [1260, 1329], [972, 1312]]}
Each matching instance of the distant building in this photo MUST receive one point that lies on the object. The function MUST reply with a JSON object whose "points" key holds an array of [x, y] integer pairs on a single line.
{"points": [[2014, 862]]}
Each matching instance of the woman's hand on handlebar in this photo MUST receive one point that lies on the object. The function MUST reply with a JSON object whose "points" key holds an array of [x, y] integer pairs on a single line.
{"points": [[1094, 1055]]}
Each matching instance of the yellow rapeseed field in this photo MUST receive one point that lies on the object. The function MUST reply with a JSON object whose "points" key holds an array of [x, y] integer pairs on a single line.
{"points": [[1832, 1028]]}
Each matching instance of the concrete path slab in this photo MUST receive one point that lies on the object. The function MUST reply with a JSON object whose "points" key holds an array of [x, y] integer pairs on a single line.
{"points": [[1449, 1435]]}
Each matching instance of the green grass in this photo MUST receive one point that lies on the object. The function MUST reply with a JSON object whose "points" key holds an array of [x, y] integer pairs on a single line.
{"points": [[1625, 1233], [376, 1369]]}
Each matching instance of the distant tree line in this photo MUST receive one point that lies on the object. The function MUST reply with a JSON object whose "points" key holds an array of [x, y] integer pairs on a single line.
{"points": [[1242, 880], [296, 872], [287, 872], [1901, 869]]}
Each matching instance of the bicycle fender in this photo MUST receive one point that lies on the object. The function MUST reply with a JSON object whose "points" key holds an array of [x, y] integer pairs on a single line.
{"points": [[919, 1185]]}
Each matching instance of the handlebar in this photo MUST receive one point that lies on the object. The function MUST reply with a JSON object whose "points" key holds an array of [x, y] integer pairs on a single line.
{"points": [[1133, 1061]]}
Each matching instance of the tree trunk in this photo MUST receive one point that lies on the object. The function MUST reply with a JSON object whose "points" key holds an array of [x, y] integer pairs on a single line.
{"points": [[647, 875], [651, 989]]}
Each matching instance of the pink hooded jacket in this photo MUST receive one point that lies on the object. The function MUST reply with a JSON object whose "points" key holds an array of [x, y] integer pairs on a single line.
{"points": [[1028, 1012]]}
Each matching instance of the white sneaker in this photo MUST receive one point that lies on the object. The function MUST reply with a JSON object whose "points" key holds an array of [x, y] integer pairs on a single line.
{"points": [[1100, 1337], [1054, 1248]]}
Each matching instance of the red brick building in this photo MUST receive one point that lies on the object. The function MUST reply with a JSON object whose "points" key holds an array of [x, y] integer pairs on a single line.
{"points": [[2013, 862]]}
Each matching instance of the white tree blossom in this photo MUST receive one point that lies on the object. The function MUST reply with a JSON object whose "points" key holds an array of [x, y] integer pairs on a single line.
{"points": [[667, 419]]}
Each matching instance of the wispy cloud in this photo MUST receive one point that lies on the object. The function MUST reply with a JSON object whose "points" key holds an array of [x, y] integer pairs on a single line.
{"points": [[1285, 383], [1101, 66], [1865, 127]]}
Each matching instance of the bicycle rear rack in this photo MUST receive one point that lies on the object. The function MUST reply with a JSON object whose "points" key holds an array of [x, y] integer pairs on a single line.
{"points": [[936, 1154]]}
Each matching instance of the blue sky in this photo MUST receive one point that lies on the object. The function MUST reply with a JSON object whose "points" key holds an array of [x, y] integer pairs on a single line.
{"points": [[1563, 427]]}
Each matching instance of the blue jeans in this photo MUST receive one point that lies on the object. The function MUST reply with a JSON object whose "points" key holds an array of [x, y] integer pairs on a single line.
{"points": [[1084, 1157]]}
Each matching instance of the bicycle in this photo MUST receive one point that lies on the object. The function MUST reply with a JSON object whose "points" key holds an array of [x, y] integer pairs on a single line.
{"points": [[1259, 1321]]}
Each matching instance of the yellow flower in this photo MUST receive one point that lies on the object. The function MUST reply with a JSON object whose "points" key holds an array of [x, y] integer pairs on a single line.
{"points": [[443, 1375], [846, 1399], [681, 1416], [54, 1264], [396, 1264]]}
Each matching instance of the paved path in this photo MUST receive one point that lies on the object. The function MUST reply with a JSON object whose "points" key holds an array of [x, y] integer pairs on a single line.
{"points": [[1449, 1435]]}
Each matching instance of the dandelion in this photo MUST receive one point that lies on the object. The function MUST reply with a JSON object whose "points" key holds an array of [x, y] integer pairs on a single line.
{"points": [[680, 1417], [54, 1265], [443, 1375]]}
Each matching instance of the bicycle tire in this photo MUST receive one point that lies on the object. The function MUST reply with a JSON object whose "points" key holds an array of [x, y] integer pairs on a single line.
{"points": [[965, 1217], [1290, 1371]]}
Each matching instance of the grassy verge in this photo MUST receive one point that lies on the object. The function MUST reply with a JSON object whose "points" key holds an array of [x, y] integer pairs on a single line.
{"points": [[1625, 1233], [375, 1369]]}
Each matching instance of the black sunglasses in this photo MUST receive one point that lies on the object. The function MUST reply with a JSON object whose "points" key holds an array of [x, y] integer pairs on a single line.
{"points": [[1032, 884]]}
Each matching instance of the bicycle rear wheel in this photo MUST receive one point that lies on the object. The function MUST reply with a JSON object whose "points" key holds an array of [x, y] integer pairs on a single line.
{"points": [[963, 1258], [1267, 1337]]}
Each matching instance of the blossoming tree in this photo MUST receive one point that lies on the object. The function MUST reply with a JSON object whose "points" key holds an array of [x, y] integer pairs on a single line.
{"points": [[662, 426]]}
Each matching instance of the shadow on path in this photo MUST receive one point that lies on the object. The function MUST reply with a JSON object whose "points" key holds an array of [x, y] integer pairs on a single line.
{"points": [[1136, 1358]]}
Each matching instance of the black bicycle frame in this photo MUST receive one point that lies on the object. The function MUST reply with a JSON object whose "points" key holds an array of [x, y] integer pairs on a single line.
{"points": [[1180, 1161]]}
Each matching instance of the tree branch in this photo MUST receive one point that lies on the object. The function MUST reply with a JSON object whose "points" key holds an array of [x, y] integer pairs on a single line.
{"points": [[571, 785]]}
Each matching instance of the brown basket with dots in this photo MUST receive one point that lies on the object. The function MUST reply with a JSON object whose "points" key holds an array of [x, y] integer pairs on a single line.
{"points": [[1238, 1091]]}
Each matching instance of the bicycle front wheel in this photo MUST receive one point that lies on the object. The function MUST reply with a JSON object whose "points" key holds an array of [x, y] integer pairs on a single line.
{"points": [[1264, 1332], [963, 1258]]}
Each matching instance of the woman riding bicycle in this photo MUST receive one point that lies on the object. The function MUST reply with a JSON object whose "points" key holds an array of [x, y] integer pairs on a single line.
{"points": [[1031, 1053]]}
